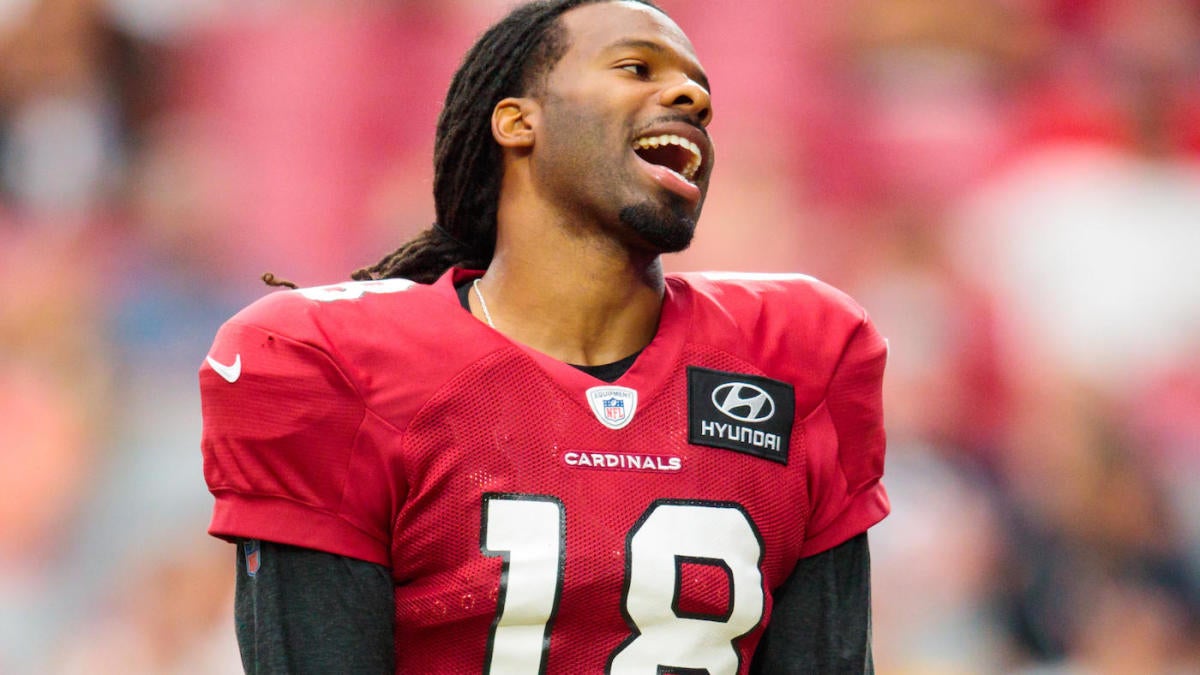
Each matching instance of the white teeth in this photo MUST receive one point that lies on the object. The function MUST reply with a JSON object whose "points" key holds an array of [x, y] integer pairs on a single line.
{"points": [[689, 171]]}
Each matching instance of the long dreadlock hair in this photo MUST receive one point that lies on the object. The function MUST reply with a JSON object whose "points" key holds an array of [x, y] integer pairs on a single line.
{"points": [[510, 59]]}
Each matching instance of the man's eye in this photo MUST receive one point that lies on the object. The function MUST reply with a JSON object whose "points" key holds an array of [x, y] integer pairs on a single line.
{"points": [[639, 69]]}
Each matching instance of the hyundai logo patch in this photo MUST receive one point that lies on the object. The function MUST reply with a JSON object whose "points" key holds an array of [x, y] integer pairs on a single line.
{"points": [[742, 412], [743, 402]]}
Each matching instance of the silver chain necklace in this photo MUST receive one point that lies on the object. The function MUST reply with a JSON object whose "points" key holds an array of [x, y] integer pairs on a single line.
{"points": [[482, 303]]}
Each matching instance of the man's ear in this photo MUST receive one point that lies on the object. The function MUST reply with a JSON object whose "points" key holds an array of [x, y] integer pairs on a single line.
{"points": [[512, 122]]}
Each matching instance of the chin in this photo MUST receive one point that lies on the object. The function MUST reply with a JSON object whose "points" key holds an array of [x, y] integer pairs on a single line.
{"points": [[666, 228]]}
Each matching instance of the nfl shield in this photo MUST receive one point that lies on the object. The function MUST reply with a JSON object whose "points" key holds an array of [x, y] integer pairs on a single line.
{"points": [[613, 406], [614, 409], [253, 553]]}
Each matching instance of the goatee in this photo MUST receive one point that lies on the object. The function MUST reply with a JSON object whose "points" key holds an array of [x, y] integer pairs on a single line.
{"points": [[668, 229]]}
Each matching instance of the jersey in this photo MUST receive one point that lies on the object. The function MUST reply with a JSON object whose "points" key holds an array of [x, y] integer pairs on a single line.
{"points": [[536, 519]]}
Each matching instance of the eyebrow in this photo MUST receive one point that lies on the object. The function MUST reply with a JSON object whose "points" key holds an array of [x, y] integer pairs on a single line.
{"points": [[650, 45]]}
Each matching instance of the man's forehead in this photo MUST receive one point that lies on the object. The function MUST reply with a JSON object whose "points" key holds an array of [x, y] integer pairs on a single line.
{"points": [[598, 26]]}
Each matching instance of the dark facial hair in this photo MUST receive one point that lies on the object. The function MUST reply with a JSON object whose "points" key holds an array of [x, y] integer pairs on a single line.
{"points": [[667, 229]]}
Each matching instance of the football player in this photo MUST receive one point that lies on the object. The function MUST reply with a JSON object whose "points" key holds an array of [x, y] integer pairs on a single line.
{"points": [[515, 445]]}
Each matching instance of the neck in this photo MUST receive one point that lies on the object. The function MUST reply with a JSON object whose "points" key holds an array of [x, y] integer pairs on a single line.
{"points": [[571, 292]]}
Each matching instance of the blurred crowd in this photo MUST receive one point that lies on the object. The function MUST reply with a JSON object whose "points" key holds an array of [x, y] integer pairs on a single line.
{"points": [[1010, 187]]}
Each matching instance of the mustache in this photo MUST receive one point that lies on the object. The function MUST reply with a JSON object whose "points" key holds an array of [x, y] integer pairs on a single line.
{"points": [[668, 119]]}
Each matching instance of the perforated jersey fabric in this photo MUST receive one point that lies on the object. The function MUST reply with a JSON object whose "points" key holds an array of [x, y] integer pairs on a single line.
{"points": [[380, 421]]}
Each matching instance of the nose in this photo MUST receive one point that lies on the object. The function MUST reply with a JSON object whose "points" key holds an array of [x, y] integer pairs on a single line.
{"points": [[690, 96]]}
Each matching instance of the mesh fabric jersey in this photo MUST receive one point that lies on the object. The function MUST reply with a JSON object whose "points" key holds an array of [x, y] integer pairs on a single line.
{"points": [[528, 525]]}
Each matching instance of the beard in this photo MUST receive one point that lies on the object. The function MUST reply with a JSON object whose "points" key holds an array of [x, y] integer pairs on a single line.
{"points": [[573, 137], [667, 229]]}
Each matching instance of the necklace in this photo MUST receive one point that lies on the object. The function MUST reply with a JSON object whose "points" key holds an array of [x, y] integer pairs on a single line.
{"points": [[482, 303]]}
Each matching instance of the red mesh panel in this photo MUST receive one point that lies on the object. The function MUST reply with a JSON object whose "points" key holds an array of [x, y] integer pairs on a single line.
{"points": [[504, 426]]}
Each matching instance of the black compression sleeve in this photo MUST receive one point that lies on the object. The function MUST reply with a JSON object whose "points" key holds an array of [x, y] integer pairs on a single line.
{"points": [[821, 621], [306, 611]]}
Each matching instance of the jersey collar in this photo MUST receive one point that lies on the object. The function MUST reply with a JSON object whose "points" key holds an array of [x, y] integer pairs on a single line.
{"points": [[649, 372]]}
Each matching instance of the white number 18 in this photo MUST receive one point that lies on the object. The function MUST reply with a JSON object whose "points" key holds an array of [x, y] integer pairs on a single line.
{"points": [[529, 533]]}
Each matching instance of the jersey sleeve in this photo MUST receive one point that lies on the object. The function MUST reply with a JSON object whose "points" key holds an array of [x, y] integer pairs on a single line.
{"points": [[287, 448], [846, 494]]}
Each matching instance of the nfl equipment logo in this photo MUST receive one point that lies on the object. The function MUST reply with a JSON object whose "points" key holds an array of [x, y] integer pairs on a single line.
{"points": [[614, 409], [613, 406]]}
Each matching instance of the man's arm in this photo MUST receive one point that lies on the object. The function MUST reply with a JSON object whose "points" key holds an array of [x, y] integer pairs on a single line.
{"points": [[305, 611], [821, 621]]}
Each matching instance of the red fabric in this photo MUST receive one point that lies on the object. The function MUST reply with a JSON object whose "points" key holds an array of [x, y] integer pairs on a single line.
{"points": [[383, 422]]}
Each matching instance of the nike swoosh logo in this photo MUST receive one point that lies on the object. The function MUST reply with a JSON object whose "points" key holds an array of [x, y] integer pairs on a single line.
{"points": [[230, 372]]}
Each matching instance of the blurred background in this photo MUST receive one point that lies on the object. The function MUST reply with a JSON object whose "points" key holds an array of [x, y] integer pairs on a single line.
{"points": [[1011, 188]]}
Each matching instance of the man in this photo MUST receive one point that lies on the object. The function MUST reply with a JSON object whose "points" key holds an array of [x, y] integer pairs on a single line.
{"points": [[514, 445]]}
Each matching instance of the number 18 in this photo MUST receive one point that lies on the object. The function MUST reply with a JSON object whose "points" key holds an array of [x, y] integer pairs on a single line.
{"points": [[529, 533]]}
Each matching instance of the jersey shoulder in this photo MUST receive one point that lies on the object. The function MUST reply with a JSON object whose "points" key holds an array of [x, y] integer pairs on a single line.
{"points": [[775, 305], [319, 315], [391, 341], [792, 327], [285, 392]]}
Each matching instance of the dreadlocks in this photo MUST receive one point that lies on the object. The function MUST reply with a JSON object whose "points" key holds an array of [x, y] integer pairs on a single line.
{"points": [[511, 59]]}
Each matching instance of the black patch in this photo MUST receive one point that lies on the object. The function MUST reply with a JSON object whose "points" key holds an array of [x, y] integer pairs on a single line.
{"points": [[746, 413]]}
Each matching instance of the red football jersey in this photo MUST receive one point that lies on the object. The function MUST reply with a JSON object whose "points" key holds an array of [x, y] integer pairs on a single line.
{"points": [[536, 519]]}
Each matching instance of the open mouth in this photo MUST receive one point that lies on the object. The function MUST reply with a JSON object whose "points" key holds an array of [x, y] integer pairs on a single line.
{"points": [[673, 152]]}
